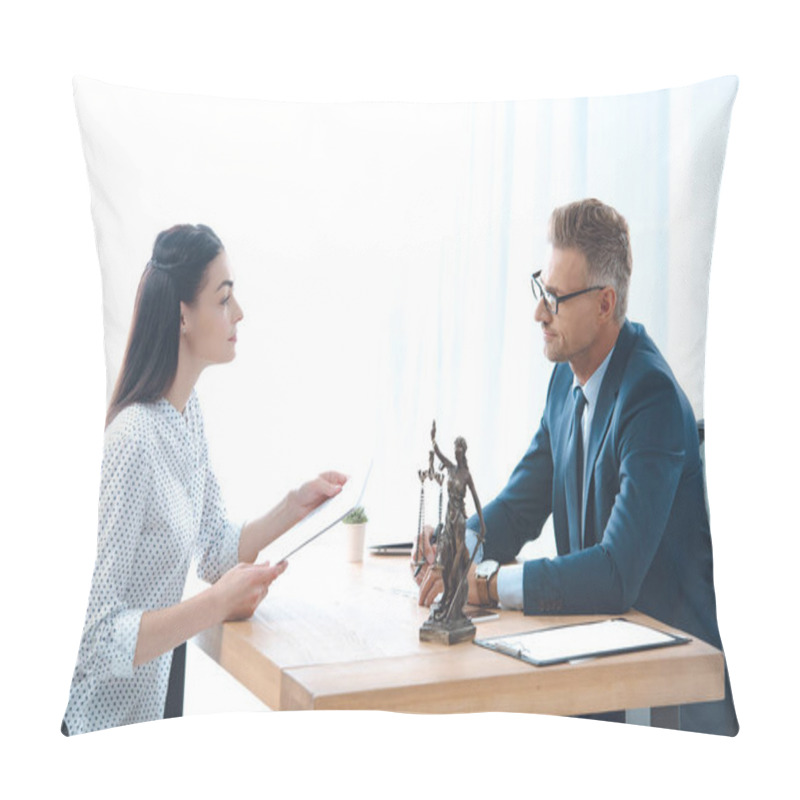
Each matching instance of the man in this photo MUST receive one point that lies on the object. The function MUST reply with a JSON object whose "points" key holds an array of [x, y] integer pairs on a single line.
{"points": [[615, 461]]}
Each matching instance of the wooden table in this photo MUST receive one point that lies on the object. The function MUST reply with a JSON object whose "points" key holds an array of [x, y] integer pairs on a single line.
{"points": [[333, 635]]}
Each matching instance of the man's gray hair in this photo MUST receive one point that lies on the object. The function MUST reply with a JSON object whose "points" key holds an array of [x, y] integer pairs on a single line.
{"points": [[601, 234]]}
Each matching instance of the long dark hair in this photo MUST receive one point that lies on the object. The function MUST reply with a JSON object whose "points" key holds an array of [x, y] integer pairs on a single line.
{"points": [[175, 274]]}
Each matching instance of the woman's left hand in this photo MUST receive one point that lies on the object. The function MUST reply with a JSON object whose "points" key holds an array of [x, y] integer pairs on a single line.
{"points": [[316, 491], [296, 504]]}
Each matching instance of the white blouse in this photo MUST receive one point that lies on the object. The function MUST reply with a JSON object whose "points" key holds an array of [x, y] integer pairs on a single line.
{"points": [[160, 505]]}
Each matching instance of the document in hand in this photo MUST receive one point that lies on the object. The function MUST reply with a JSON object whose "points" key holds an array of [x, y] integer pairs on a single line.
{"points": [[321, 519], [584, 640]]}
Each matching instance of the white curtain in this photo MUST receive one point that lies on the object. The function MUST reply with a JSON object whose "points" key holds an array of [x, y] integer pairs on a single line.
{"points": [[382, 254]]}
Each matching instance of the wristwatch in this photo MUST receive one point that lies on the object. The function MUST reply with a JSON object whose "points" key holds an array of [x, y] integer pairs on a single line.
{"points": [[485, 571]]}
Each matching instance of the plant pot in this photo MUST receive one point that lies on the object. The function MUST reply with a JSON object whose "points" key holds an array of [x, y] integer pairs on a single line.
{"points": [[354, 540]]}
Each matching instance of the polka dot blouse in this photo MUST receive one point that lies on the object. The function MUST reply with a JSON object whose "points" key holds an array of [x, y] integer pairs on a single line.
{"points": [[160, 505]]}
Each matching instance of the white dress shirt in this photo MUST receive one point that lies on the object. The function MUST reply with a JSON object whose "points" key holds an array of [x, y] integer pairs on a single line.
{"points": [[509, 577], [160, 504]]}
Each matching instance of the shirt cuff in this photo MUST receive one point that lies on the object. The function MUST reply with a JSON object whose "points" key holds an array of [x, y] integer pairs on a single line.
{"points": [[229, 553], [224, 555], [125, 636], [471, 541], [509, 586]]}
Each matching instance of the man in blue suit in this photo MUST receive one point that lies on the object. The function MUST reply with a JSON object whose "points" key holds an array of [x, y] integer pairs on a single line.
{"points": [[615, 461]]}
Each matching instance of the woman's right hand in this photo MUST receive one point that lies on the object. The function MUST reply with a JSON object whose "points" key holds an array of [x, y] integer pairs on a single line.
{"points": [[242, 588]]}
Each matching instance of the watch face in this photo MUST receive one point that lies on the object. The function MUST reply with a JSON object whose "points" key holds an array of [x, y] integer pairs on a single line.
{"points": [[487, 568]]}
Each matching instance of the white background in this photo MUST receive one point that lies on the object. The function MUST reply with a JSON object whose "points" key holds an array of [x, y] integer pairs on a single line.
{"points": [[53, 391]]}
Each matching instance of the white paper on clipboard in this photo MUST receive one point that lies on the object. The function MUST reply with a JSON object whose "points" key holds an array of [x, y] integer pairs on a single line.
{"points": [[583, 640], [321, 519]]}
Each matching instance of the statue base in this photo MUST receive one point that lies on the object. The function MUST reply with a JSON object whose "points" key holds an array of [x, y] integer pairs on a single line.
{"points": [[447, 632]]}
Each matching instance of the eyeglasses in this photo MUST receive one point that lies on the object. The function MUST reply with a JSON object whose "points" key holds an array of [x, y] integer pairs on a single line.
{"points": [[551, 301]]}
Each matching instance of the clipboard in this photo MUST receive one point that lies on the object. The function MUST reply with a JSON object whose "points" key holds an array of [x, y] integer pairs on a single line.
{"points": [[321, 519], [565, 643]]}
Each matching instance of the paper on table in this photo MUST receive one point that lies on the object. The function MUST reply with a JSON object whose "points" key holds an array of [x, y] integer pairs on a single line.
{"points": [[321, 519], [589, 639]]}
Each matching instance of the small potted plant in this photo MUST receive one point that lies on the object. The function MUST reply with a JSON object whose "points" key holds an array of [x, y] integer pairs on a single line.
{"points": [[356, 525]]}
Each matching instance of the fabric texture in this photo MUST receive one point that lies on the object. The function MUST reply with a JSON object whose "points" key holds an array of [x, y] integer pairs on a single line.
{"points": [[160, 505]]}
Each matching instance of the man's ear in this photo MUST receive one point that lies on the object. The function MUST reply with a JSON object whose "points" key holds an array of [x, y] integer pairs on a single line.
{"points": [[608, 302]]}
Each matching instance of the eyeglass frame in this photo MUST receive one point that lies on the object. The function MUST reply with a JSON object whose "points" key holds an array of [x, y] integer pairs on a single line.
{"points": [[544, 294]]}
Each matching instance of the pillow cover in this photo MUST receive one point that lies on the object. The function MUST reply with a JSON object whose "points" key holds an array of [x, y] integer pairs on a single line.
{"points": [[382, 254]]}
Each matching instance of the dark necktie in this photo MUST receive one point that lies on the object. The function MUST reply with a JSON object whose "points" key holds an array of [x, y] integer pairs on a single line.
{"points": [[574, 494]]}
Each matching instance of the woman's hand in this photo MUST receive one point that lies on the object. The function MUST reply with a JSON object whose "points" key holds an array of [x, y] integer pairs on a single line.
{"points": [[234, 596], [259, 533], [242, 588], [314, 492]]}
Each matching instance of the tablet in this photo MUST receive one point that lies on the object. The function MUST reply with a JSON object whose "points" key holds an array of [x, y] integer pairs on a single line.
{"points": [[321, 519]]}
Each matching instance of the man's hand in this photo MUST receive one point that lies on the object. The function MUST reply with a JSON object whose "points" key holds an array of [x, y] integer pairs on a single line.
{"points": [[428, 579], [472, 592], [431, 586], [428, 553]]}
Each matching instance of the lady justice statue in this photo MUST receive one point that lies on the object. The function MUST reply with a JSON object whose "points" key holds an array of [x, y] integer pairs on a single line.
{"points": [[447, 622]]}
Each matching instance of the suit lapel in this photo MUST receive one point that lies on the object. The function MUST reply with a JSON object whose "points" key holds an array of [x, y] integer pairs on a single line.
{"points": [[606, 401]]}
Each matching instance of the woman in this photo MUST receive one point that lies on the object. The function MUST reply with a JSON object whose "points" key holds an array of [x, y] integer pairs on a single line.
{"points": [[160, 503]]}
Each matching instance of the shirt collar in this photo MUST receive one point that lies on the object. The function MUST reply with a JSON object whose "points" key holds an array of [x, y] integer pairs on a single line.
{"points": [[591, 389]]}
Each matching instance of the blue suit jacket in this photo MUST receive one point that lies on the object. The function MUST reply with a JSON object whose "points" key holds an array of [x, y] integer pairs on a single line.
{"points": [[646, 535]]}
